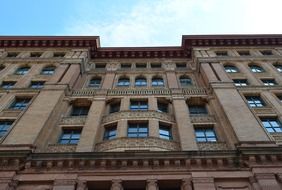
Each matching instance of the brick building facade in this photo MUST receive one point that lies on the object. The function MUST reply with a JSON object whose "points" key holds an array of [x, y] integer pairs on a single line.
{"points": [[203, 115]]}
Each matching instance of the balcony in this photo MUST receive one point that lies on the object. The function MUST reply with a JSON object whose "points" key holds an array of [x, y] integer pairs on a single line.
{"points": [[135, 144]]}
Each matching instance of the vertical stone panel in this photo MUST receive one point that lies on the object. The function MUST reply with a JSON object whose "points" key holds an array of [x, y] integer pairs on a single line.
{"points": [[59, 72], [171, 79], [153, 128], [108, 80], [71, 75]]}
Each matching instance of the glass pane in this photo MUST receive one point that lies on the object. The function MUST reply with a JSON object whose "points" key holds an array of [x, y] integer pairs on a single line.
{"points": [[266, 124], [145, 129], [164, 132], [66, 136], [278, 130], [142, 134], [201, 139], [64, 141], [200, 134], [271, 130], [75, 136], [274, 123], [211, 139], [132, 129], [74, 141], [132, 135]]}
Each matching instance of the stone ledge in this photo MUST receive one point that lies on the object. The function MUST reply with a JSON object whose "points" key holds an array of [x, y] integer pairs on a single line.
{"points": [[149, 143], [10, 113], [202, 118], [212, 145], [73, 120], [61, 148]]}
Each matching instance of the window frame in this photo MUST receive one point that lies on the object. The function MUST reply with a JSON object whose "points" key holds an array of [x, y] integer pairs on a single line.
{"points": [[183, 80], [22, 70], [93, 84], [268, 82], [205, 137], [271, 121], [5, 126], [37, 84], [48, 70], [157, 82], [165, 131], [198, 110], [231, 69], [123, 82], [74, 131], [256, 69], [20, 103], [110, 132], [79, 111], [7, 83], [137, 133], [141, 105], [140, 82], [240, 82], [255, 101]]}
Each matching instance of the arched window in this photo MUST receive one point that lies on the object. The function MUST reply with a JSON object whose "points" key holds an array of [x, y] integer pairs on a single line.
{"points": [[231, 69], [95, 82], [256, 69], [157, 81], [22, 70], [278, 67], [140, 81], [123, 81], [49, 70], [185, 81]]}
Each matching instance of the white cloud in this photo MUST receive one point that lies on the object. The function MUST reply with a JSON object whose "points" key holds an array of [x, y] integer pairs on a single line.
{"points": [[162, 22]]}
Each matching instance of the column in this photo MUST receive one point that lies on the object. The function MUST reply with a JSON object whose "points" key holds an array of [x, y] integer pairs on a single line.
{"points": [[208, 74], [59, 72], [153, 128], [186, 184], [125, 103], [71, 75], [152, 184], [267, 181], [184, 125], [92, 124], [116, 185], [243, 67], [203, 183], [218, 68], [172, 79], [8, 70], [5, 100], [38, 112], [81, 185], [64, 184], [152, 102], [25, 80], [108, 81]]}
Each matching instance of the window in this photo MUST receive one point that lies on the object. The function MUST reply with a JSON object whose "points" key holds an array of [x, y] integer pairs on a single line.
{"points": [[110, 132], [205, 135], [100, 65], [255, 101], [272, 125], [140, 81], [197, 109], [185, 81], [141, 65], [165, 132], [59, 54], [139, 105], [4, 127], [266, 52], [114, 107], [181, 65], [70, 136], [279, 97], [268, 82], [8, 84], [162, 107], [244, 53], [22, 70], [95, 82], [80, 111], [230, 69], [49, 70], [137, 130], [221, 53], [37, 84], [125, 65], [156, 65], [12, 54], [256, 69], [240, 82], [157, 81], [123, 82], [279, 68], [20, 103], [35, 54]]}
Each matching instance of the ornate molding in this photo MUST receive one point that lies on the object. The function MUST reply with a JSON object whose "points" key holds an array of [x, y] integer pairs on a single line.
{"points": [[202, 118], [73, 120], [138, 91], [137, 115], [60, 148], [150, 143]]}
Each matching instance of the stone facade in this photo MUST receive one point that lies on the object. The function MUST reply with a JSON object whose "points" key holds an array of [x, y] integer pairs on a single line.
{"points": [[204, 115]]}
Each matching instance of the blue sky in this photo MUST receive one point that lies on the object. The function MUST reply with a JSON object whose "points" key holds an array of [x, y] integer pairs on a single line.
{"points": [[139, 22]]}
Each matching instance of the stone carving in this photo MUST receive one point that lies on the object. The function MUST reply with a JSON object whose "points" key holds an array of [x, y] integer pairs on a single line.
{"points": [[84, 92], [136, 91], [199, 118], [73, 120], [137, 115], [116, 185], [60, 148], [212, 146], [150, 143]]}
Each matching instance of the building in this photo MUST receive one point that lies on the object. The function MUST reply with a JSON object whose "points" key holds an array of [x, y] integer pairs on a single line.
{"points": [[203, 115]]}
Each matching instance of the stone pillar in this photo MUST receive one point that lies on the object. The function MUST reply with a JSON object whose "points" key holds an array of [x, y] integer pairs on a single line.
{"points": [[81, 185], [59, 73], [185, 127], [25, 80], [152, 184], [208, 74], [218, 68], [250, 76], [186, 184], [122, 128], [153, 128], [244, 124], [38, 112], [125, 103], [5, 100], [116, 185], [203, 183], [71, 75], [267, 181], [108, 81], [8, 70], [90, 129], [64, 184], [172, 79], [152, 102], [254, 183]]}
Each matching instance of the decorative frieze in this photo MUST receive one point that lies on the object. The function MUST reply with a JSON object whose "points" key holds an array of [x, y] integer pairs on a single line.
{"points": [[202, 118], [150, 143], [137, 115], [73, 120], [136, 91], [61, 148]]}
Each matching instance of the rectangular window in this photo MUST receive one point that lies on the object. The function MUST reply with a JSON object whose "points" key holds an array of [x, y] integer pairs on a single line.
{"points": [[59, 54], [268, 82], [125, 66], [80, 111], [198, 109], [266, 52], [37, 84], [156, 65], [181, 65], [35, 54], [139, 105], [272, 125], [12, 54], [221, 53], [240, 82], [4, 127], [114, 107], [165, 131], [255, 101], [141, 65], [162, 107], [110, 132], [205, 135], [20, 103], [70, 136], [244, 53], [100, 65], [8, 84], [137, 130]]}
